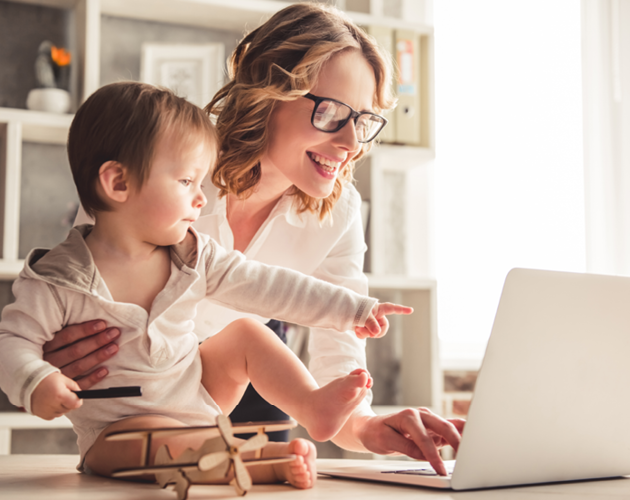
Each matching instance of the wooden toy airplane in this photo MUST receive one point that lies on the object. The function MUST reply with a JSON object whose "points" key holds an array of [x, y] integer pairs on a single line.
{"points": [[219, 454]]}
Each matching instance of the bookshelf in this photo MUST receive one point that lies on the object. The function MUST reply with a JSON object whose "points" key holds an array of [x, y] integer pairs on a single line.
{"points": [[396, 164]]}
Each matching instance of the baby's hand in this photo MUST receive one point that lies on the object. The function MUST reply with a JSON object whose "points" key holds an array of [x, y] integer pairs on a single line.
{"points": [[53, 396], [376, 324]]}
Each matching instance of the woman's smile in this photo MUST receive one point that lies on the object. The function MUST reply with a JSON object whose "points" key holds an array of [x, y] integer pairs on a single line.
{"points": [[325, 167]]}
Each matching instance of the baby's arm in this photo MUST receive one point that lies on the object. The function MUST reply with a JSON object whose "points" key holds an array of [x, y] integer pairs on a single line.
{"points": [[281, 293], [25, 327], [53, 397]]}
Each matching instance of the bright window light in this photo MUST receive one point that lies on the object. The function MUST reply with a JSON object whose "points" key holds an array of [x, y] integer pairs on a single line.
{"points": [[508, 170]]}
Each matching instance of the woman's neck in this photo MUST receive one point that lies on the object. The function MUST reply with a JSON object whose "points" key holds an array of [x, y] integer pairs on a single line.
{"points": [[247, 216]]}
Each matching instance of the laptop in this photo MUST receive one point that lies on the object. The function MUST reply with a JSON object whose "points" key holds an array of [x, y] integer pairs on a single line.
{"points": [[552, 398]]}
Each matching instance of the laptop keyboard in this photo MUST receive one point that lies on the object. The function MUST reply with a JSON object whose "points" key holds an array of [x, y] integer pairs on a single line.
{"points": [[421, 471]]}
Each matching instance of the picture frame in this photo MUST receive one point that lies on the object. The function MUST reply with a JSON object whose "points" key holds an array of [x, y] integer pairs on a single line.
{"points": [[192, 71]]}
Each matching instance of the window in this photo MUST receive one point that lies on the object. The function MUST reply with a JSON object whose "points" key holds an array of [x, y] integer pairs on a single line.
{"points": [[509, 168]]}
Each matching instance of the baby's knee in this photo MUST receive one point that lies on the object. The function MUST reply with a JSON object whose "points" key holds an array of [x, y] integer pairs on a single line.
{"points": [[249, 326]]}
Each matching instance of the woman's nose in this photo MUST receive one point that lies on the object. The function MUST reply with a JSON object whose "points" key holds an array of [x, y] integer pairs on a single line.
{"points": [[347, 137]]}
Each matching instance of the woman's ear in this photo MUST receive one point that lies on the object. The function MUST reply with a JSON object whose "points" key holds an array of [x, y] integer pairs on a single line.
{"points": [[114, 181]]}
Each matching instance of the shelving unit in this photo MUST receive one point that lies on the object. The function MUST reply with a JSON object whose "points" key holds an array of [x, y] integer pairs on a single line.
{"points": [[420, 377], [389, 165]]}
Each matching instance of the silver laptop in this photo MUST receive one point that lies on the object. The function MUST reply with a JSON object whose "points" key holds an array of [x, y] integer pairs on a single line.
{"points": [[552, 399]]}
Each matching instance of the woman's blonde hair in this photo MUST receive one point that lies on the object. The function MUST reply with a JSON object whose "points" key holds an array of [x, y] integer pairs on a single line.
{"points": [[280, 61]]}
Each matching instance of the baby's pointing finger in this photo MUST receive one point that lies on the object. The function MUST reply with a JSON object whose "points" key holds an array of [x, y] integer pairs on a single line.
{"points": [[389, 308]]}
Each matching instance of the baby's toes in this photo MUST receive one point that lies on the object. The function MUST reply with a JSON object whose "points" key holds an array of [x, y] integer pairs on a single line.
{"points": [[300, 476]]}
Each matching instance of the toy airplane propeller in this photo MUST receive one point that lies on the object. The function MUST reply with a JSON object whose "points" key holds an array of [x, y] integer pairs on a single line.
{"points": [[219, 454]]}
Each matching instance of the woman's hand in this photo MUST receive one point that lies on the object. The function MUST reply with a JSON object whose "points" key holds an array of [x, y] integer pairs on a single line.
{"points": [[417, 433], [77, 349], [376, 324]]}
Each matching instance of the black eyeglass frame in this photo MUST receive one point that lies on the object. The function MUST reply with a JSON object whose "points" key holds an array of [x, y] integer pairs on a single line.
{"points": [[354, 116]]}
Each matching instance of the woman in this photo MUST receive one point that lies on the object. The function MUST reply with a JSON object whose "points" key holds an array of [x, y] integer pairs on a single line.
{"points": [[281, 194]]}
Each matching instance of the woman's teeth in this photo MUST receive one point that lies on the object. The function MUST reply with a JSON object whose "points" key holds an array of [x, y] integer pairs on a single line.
{"points": [[326, 164]]}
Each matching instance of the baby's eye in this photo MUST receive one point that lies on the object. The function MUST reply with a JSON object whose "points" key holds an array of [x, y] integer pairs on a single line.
{"points": [[185, 182]]}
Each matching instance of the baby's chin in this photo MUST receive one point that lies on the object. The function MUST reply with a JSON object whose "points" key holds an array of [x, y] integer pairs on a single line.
{"points": [[172, 239]]}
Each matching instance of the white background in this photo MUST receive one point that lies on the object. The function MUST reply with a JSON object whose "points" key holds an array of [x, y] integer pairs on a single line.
{"points": [[509, 168]]}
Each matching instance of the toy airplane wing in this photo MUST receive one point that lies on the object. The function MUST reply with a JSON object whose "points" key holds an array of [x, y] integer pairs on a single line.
{"points": [[211, 430], [158, 469], [154, 469]]}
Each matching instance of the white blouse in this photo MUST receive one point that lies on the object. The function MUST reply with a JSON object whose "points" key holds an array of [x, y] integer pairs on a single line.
{"points": [[329, 251]]}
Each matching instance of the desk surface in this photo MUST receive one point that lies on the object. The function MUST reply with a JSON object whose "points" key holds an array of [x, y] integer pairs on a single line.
{"points": [[54, 477]]}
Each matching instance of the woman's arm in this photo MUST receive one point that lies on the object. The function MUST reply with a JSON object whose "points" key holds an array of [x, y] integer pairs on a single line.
{"points": [[77, 349], [417, 433]]}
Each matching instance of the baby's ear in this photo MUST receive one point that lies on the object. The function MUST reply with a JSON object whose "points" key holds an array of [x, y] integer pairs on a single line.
{"points": [[114, 180]]}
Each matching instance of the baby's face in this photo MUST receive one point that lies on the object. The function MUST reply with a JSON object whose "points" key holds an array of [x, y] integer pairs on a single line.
{"points": [[171, 199]]}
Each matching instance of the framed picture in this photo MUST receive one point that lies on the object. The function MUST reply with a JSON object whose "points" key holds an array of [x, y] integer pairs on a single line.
{"points": [[194, 72]]}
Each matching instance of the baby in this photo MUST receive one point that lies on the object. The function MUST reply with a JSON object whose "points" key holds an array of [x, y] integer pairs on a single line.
{"points": [[138, 156]]}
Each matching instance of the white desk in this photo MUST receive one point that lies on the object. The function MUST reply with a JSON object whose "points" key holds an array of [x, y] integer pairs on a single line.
{"points": [[54, 477]]}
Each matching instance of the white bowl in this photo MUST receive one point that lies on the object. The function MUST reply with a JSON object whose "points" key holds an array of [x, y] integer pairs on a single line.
{"points": [[50, 100]]}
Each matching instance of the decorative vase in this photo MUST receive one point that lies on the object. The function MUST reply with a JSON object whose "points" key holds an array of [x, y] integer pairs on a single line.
{"points": [[49, 100]]}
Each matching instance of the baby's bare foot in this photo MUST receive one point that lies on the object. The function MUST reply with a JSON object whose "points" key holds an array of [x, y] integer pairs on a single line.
{"points": [[331, 405], [302, 471]]}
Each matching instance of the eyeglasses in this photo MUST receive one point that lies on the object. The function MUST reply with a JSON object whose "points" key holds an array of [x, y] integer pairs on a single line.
{"points": [[330, 116]]}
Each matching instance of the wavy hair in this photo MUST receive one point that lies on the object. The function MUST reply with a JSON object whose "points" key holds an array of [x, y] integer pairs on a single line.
{"points": [[280, 61]]}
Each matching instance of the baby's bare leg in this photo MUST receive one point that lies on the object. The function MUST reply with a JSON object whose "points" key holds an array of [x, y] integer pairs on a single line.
{"points": [[104, 457], [248, 351]]}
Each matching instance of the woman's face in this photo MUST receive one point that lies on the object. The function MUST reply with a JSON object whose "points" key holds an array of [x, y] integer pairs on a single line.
{"points": [[299, 154]]}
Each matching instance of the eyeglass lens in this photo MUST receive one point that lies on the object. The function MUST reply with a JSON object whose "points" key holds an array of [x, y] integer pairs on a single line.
{"points": [[330, 116]]}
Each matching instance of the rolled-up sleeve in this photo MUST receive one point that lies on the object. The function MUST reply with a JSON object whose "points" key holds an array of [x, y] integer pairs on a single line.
{"points": [[26, 325]]}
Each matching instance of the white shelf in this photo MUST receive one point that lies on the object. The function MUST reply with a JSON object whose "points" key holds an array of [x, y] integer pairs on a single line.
{"points": [[231, 15], [18, 420], [10, 269], [404, 155], [37, 126], [392, 282]]}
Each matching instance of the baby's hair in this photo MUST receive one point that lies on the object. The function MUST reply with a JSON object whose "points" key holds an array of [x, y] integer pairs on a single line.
{"points": [[280, 61], [123, 122]]}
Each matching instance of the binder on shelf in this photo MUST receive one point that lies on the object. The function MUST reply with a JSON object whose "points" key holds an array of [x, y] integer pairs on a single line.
{"points": [[385, 39], [407, 114]]}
